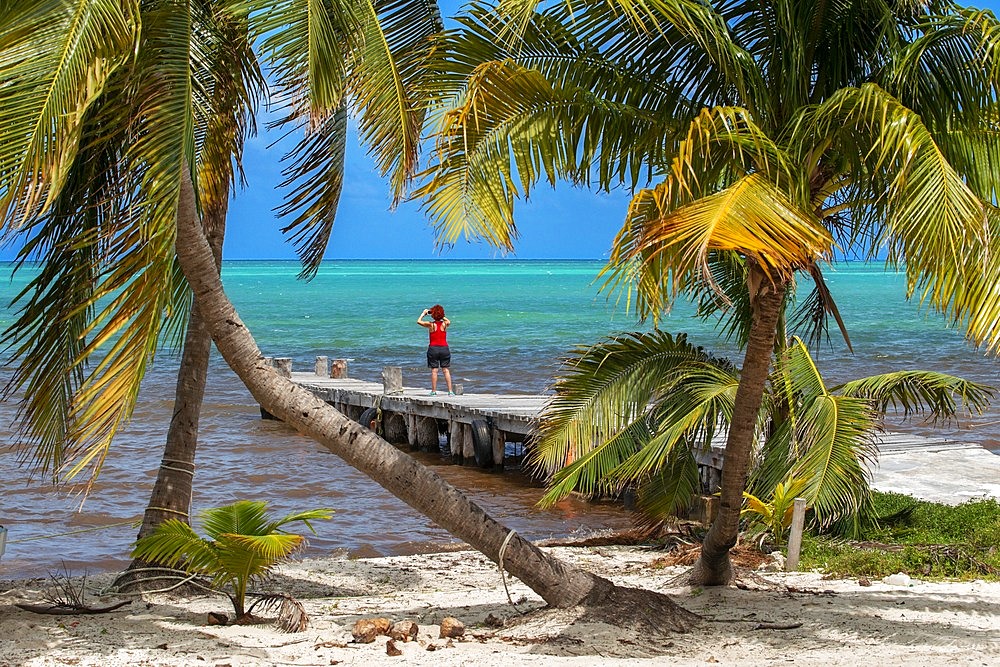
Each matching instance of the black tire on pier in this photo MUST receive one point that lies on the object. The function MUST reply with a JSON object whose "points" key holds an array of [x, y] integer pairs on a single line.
{"points": [[482, 443], [369, 419]]}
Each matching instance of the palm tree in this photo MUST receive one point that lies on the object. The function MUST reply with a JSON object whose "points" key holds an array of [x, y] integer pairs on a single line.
{"points": [[633, 410], [235, 84], [119, 98], [766, 134]]}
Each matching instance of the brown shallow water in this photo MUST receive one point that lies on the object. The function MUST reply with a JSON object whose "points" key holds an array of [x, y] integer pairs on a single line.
{"points": [[242, 456]]}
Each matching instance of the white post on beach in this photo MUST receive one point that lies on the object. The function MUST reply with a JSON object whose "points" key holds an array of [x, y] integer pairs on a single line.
{"points": [[795, 537]]}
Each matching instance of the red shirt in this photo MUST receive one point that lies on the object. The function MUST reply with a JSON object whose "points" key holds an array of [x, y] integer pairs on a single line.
{"points": [[439, 337]]}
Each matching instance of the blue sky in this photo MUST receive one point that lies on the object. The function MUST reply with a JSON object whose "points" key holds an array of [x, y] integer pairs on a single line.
{"points": [[565, 223]]}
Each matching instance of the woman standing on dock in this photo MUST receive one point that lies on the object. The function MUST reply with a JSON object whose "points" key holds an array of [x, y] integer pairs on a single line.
{"points": [[438, 354]]}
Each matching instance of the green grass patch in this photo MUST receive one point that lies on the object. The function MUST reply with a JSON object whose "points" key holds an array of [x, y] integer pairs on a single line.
{"points": [[920, 538]]}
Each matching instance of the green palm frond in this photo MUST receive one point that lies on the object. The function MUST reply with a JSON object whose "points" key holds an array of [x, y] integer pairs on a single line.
{"points": [[930, 216], [603, 390], [100, 282], [591, 471], [828, 441], [307, 46], [314, 178], [396, 41], [836, 441], [811, 317], [512, 129], [798, 372], [939, 395], [624, 407], [55, 59], [668, 491], [175, 543], [695, 35]]}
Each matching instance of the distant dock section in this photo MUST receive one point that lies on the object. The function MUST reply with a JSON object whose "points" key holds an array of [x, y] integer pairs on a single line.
{"points": [[489, 429], [485, 429]]}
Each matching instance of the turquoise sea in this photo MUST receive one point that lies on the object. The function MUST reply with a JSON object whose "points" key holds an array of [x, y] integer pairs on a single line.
{"points": [[511, 323]]}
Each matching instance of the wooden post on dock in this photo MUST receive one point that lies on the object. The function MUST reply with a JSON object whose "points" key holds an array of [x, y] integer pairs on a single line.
{"points": [[468, 446], [322, 367], [284, 366], [456, 438], [411, 431], [338, 369], [392, 380]]}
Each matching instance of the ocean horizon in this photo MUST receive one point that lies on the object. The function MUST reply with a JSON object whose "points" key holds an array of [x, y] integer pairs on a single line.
{"points": [[513, 321]]}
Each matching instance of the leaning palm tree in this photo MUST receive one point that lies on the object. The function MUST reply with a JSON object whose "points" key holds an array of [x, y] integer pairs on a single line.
{"points": [[764, 133], [151, 140]]}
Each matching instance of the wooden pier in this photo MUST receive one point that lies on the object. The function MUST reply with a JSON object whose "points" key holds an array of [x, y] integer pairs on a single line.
{"points": [[481, 429]]}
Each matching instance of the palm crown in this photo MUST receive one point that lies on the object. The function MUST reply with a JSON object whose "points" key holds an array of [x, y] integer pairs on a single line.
{"points": [[778, 131]]}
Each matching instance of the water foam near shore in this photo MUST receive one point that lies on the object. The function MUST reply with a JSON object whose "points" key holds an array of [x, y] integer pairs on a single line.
{"points": [[512, 322]]}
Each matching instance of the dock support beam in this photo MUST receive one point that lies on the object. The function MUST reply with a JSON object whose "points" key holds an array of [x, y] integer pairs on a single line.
{"points": [[338, 370]]}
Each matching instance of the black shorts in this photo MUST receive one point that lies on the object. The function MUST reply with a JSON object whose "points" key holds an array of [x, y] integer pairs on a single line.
{"points": [[438, 356]]}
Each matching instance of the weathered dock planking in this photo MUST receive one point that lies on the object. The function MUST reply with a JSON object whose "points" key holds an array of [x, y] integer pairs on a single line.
{"points": [[937, 469]]}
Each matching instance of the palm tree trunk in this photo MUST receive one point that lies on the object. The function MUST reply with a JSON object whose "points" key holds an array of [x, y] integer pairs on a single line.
{"points": [[173, 489], [713, 567], [559, 584]]}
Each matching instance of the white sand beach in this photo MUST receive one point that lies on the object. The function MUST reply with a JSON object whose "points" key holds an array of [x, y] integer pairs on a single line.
{"points": [[779, 618]]}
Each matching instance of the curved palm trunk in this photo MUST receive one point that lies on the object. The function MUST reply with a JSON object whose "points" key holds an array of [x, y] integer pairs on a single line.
{"points": [[713, 567], [558, 584]]}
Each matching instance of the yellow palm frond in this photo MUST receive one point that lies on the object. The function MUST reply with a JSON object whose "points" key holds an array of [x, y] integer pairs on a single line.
{"points": [[663, 250]]}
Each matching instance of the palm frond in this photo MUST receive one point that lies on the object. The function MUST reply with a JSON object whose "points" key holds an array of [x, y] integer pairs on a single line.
{"points": [[314, 178], [174, 543], [604, 389], [662, 250], [55, 59], [590, 472], [836, 443], [939, 395], [669, 491], [513, 128], [383, 78], [932, 219]]}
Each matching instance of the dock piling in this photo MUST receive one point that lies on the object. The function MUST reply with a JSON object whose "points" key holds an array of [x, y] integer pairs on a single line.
{"points": [[284, 366], [392, 380], [322, 366], [338, 369]]}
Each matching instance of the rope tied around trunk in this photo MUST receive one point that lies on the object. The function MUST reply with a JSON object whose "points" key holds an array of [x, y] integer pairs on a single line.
{"points": [[503, 574]]}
